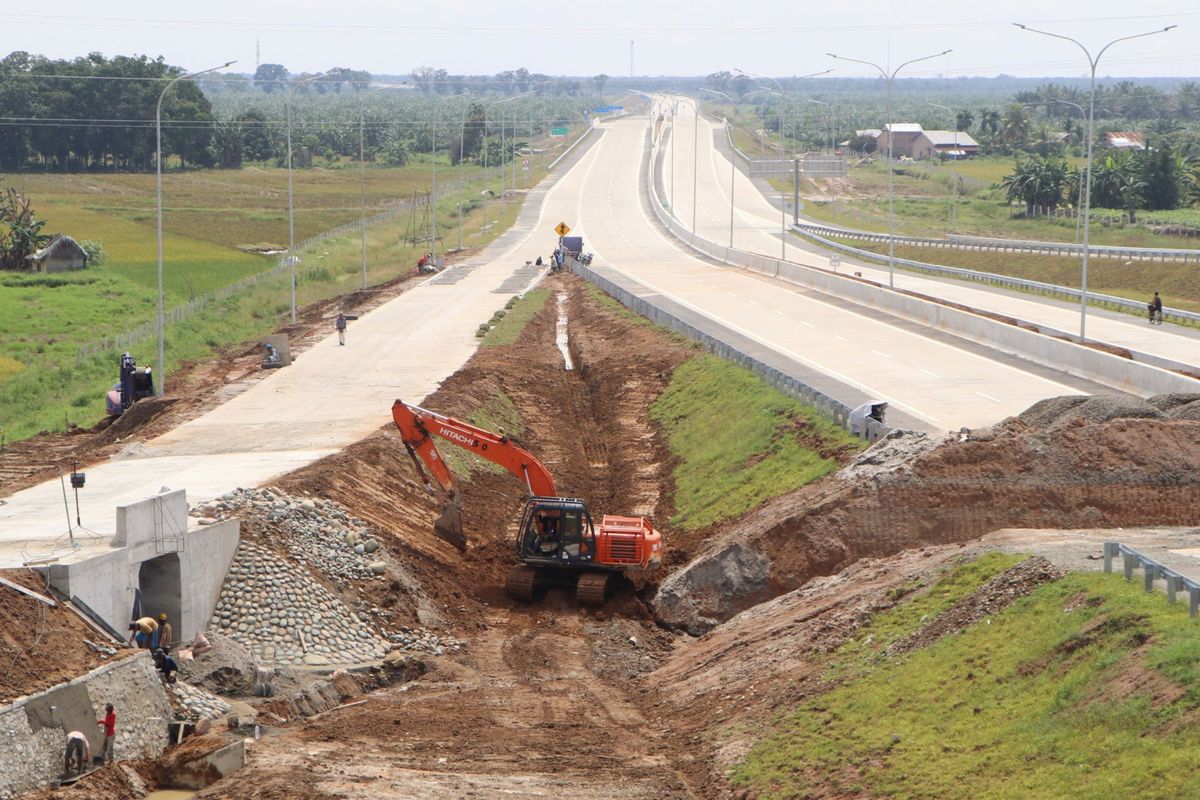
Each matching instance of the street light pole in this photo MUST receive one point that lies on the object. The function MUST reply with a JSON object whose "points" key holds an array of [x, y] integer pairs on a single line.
{"points": [[889, 78], [161, 381], [954, 194], [485, 148], [287, 99], [1092, 62]]}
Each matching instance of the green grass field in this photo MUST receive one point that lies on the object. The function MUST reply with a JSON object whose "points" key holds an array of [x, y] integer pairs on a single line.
{"points": [[1085, 688], [739, 442], [213, 222], [1179, 283]]}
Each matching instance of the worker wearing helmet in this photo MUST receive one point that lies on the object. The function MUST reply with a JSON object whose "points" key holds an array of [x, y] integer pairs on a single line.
{"points": [[163, 636]]}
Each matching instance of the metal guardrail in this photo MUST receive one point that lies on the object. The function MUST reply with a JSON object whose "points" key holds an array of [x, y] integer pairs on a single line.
{"points": [[1120, 303], [955, 241], [1152, 571]]}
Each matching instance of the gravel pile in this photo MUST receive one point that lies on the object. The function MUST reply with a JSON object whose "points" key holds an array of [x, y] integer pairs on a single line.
{"points": [[1189, 411], [198, 703], [1167, 403], [227, 668], [282, 615], [1055, 412], [891, 456], [314, 531]]}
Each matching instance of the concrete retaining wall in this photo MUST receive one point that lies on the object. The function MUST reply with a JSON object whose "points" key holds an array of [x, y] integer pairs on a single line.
{"points": [[191, 562], [33, 729]]}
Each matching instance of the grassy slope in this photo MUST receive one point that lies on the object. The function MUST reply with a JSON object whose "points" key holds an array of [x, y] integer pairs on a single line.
{"points": [[1022, 705], [736, 441], [1179, 283], [507, 326]]}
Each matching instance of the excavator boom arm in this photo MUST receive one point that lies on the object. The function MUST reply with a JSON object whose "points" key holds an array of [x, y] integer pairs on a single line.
{"points": [[418, 426]]}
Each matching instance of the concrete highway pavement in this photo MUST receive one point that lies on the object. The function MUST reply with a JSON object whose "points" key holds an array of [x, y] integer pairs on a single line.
{"points": [[329, 398], [940, 383], [757, 228]]}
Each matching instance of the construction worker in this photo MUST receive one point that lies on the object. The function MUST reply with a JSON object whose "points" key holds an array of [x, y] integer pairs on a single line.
{"points": [[165, 665], [109, 724], [341, 328], [79, 754], [164, 635], [141, 630]]}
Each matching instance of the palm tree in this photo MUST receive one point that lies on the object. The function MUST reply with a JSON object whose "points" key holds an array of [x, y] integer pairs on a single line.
{"points": [[1015, 128], [964, 120], [1037, 181], [989, 122]]}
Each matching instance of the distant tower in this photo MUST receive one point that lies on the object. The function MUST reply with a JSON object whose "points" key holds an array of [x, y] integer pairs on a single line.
{"points": [[631, 58], [257, 55]]}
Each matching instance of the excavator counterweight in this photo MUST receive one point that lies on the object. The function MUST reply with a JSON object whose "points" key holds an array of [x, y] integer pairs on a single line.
{"points": [[557, 540]]}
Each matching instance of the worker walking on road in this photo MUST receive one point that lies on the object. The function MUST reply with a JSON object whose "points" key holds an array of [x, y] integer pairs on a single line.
{"points": [[341, 328], [1155, 310], [109, 724], [79, 754], [141, 632]]}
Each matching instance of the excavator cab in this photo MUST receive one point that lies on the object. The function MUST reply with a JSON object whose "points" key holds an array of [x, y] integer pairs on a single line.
{"points": [[556, 531]]}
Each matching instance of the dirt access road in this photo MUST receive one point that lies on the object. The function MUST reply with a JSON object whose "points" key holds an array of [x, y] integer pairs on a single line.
{"points": [[523, 715]]}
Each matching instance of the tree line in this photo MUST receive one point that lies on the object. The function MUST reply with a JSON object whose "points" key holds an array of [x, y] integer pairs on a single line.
{"points": [[97, 113]]}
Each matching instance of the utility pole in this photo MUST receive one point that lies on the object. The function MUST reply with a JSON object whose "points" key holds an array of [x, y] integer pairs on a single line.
{"points": [[631, 58]]}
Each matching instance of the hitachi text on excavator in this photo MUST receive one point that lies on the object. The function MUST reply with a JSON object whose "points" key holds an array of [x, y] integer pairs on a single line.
{"points": [[557, 543]]}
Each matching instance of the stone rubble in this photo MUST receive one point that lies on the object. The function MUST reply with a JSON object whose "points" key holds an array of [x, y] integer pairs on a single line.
{"points": [[277, 611], [272, 605], [315, 531], [198, 703]]}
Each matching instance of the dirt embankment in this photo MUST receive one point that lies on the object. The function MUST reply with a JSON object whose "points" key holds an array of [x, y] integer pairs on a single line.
{"points": [[722, 693], [41, 646], [1066, 463]]}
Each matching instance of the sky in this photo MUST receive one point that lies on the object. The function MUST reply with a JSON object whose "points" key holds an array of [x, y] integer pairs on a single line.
{"points": [[681, 37]]}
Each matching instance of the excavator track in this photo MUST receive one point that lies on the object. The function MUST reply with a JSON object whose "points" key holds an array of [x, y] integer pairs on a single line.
{"points": [[592, 588], [522, 583]]}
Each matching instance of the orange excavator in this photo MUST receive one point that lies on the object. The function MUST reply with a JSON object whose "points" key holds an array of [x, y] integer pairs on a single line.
{"points": [[558, 544]]}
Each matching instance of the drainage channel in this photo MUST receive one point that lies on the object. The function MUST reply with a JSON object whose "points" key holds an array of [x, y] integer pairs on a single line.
{"points": [[561, 337]]}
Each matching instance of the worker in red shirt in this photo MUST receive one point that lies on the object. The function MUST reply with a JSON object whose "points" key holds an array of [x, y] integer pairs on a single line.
{"points": [[109, 723]]}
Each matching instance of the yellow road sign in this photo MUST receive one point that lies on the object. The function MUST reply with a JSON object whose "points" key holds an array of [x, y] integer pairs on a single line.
{"points": [[562, 229]]}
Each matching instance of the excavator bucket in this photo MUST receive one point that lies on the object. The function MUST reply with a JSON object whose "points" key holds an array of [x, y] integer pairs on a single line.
{"points": [[448, 526]]}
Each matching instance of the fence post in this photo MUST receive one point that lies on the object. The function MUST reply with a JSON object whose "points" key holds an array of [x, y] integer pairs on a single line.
{"points": [[1193, 600], [1110, 550], [1149, 574], [1129, 560]]}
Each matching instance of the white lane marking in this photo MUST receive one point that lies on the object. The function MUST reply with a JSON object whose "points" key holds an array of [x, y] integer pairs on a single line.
{"points": [[807, 324], [987, 396], [881, 353], [930, 373], [752, 302], [839, 336], [780, 313]]}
